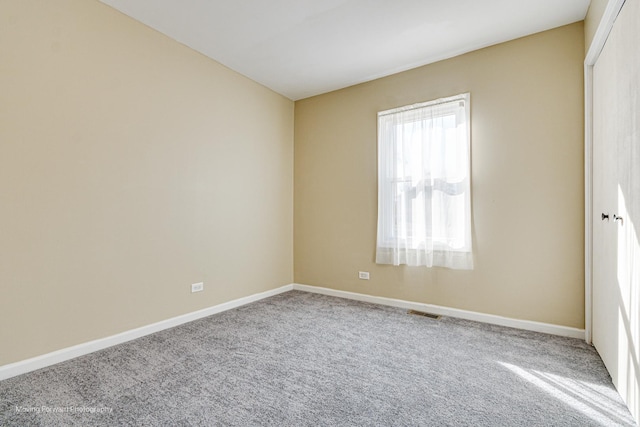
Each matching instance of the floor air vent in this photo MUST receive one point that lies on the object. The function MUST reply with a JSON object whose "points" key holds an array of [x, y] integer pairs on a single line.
{"points": [[422, 313]]}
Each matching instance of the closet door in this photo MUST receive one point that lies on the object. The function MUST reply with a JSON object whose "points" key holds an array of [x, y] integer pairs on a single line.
{"points": [[605, 295], [616, 194]]}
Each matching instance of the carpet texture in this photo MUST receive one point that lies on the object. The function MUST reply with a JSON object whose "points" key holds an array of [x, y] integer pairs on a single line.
{"points": [[302, 359]]}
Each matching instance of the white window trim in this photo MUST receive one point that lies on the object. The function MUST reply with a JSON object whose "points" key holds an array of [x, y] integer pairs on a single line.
{"points": [[386, 238]]}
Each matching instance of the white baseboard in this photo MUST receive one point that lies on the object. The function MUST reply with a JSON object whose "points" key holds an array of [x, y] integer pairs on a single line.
{"points": [[32, 364], [528, 325]]}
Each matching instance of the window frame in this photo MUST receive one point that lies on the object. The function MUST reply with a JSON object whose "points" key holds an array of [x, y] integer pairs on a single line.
{"points": [[389, 228]]}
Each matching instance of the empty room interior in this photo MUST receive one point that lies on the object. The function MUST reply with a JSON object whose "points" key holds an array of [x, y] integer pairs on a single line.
{"points": [[339, 212]]}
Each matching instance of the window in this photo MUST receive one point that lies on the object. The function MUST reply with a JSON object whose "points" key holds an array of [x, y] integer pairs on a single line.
{"points": [[424, 202]]}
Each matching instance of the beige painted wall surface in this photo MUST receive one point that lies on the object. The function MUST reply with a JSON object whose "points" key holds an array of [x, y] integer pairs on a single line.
{"points": [[527, 182], [130, 167], [592, 20]]}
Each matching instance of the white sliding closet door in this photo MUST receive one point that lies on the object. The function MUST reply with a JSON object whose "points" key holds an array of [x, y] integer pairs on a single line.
{"points": [[616, 193]]}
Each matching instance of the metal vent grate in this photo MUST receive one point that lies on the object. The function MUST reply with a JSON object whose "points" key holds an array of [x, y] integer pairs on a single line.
{"points": [[422, 313]]}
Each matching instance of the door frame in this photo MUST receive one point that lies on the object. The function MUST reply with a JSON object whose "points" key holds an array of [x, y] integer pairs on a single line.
{"points": [[599, 39]]}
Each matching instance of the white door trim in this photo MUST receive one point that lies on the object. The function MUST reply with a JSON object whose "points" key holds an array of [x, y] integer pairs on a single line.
{"points": [[599, 39]]}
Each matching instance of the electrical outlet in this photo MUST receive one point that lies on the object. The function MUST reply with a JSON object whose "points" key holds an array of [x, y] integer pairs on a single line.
{"points": [[364, 275], [197, 287]]}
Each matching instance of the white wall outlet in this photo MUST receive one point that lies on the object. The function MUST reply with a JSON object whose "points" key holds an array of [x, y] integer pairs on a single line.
{"points": [[197, 287], [364, 275]]}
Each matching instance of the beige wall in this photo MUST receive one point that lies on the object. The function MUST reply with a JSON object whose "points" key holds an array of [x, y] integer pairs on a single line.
{"points": [[130, 167], [592, 20], [527, 182]]}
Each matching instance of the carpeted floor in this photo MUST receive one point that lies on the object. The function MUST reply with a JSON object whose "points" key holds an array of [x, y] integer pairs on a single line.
{"points": [[302, 359]]}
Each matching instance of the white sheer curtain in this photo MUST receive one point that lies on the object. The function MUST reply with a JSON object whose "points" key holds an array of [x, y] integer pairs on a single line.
{"points": [[424, 203]]}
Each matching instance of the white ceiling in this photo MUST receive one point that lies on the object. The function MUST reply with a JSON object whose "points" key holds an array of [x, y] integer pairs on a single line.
{"points": [[301, 48]]}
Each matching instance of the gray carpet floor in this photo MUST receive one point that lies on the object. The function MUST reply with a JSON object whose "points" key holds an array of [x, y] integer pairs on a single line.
{"points": [[302, 359]]}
